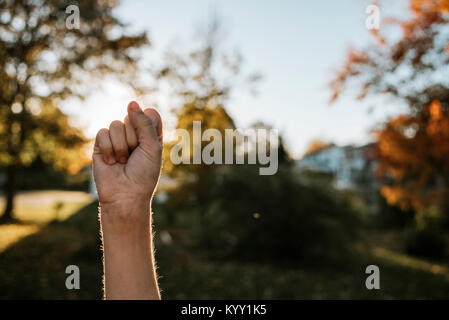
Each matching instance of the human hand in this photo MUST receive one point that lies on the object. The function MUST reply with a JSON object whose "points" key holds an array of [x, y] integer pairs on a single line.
{"points": [[127, 158]]}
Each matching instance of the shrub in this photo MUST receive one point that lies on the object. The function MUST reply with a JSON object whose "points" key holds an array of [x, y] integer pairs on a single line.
{"points": [[427, 242], [265, 217]]}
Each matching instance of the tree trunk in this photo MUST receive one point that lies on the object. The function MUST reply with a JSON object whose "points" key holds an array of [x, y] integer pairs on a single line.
{"points": [[10, 191], [445, 202]]}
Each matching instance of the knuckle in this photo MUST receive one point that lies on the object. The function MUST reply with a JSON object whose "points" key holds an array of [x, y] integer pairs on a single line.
{"points": [[102, 132], [132, 143], [147, 121], [107, 149], [121, 150], [105, 146], [116, 124]]}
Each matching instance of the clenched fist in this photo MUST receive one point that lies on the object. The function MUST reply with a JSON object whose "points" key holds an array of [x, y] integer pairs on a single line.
{"points": [[127, 158]]}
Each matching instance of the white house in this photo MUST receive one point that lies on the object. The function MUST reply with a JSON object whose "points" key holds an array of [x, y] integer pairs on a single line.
{"points": [[352, 167]]}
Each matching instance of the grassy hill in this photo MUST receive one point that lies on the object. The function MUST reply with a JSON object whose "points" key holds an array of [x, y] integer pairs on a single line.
{"points": [[34, 268]]}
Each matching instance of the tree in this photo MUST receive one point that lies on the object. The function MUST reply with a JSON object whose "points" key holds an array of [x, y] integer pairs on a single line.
{"points": [[278, 217], [202, 82], [415, 154], [413, 148], [45, 57]]}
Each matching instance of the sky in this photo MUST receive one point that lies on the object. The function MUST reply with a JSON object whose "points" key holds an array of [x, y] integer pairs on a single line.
{"points": [[294, 44]]}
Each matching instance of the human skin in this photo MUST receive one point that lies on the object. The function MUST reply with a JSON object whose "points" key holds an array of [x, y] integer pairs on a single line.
{"points": [[127, 160]]}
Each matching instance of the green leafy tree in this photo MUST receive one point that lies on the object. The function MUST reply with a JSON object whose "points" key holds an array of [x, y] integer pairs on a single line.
{"points": [[202, 81], [48, 55]]}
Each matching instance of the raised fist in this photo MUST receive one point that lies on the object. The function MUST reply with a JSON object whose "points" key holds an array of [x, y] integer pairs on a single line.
{"points": [[127, 157]]}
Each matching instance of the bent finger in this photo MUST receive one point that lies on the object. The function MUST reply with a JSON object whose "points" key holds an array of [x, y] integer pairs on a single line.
{"points": [[144, 126], [157, 120], [118, 140], [131, 137], [104, 146]]}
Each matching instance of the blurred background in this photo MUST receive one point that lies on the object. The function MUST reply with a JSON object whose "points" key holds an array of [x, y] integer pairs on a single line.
{"points": [[358, 91]]}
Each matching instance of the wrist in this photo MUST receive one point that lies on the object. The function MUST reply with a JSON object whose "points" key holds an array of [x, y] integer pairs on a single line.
{"points": [[126, 217], [124, 201]]}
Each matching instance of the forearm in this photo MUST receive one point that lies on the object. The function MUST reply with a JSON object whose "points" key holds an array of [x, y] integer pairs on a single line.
{"points": [[129, 267]]}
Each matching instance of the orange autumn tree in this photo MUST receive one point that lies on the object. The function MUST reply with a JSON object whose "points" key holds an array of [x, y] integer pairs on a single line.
{"points": [[414, 154], [411, 69]]}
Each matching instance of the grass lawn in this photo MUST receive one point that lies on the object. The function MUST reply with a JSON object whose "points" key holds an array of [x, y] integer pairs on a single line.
{"points": [[41, 207], [34, 267], [35, 209]]}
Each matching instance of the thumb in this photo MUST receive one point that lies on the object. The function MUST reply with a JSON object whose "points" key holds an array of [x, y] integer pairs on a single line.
{"points": [[145, 126]]}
